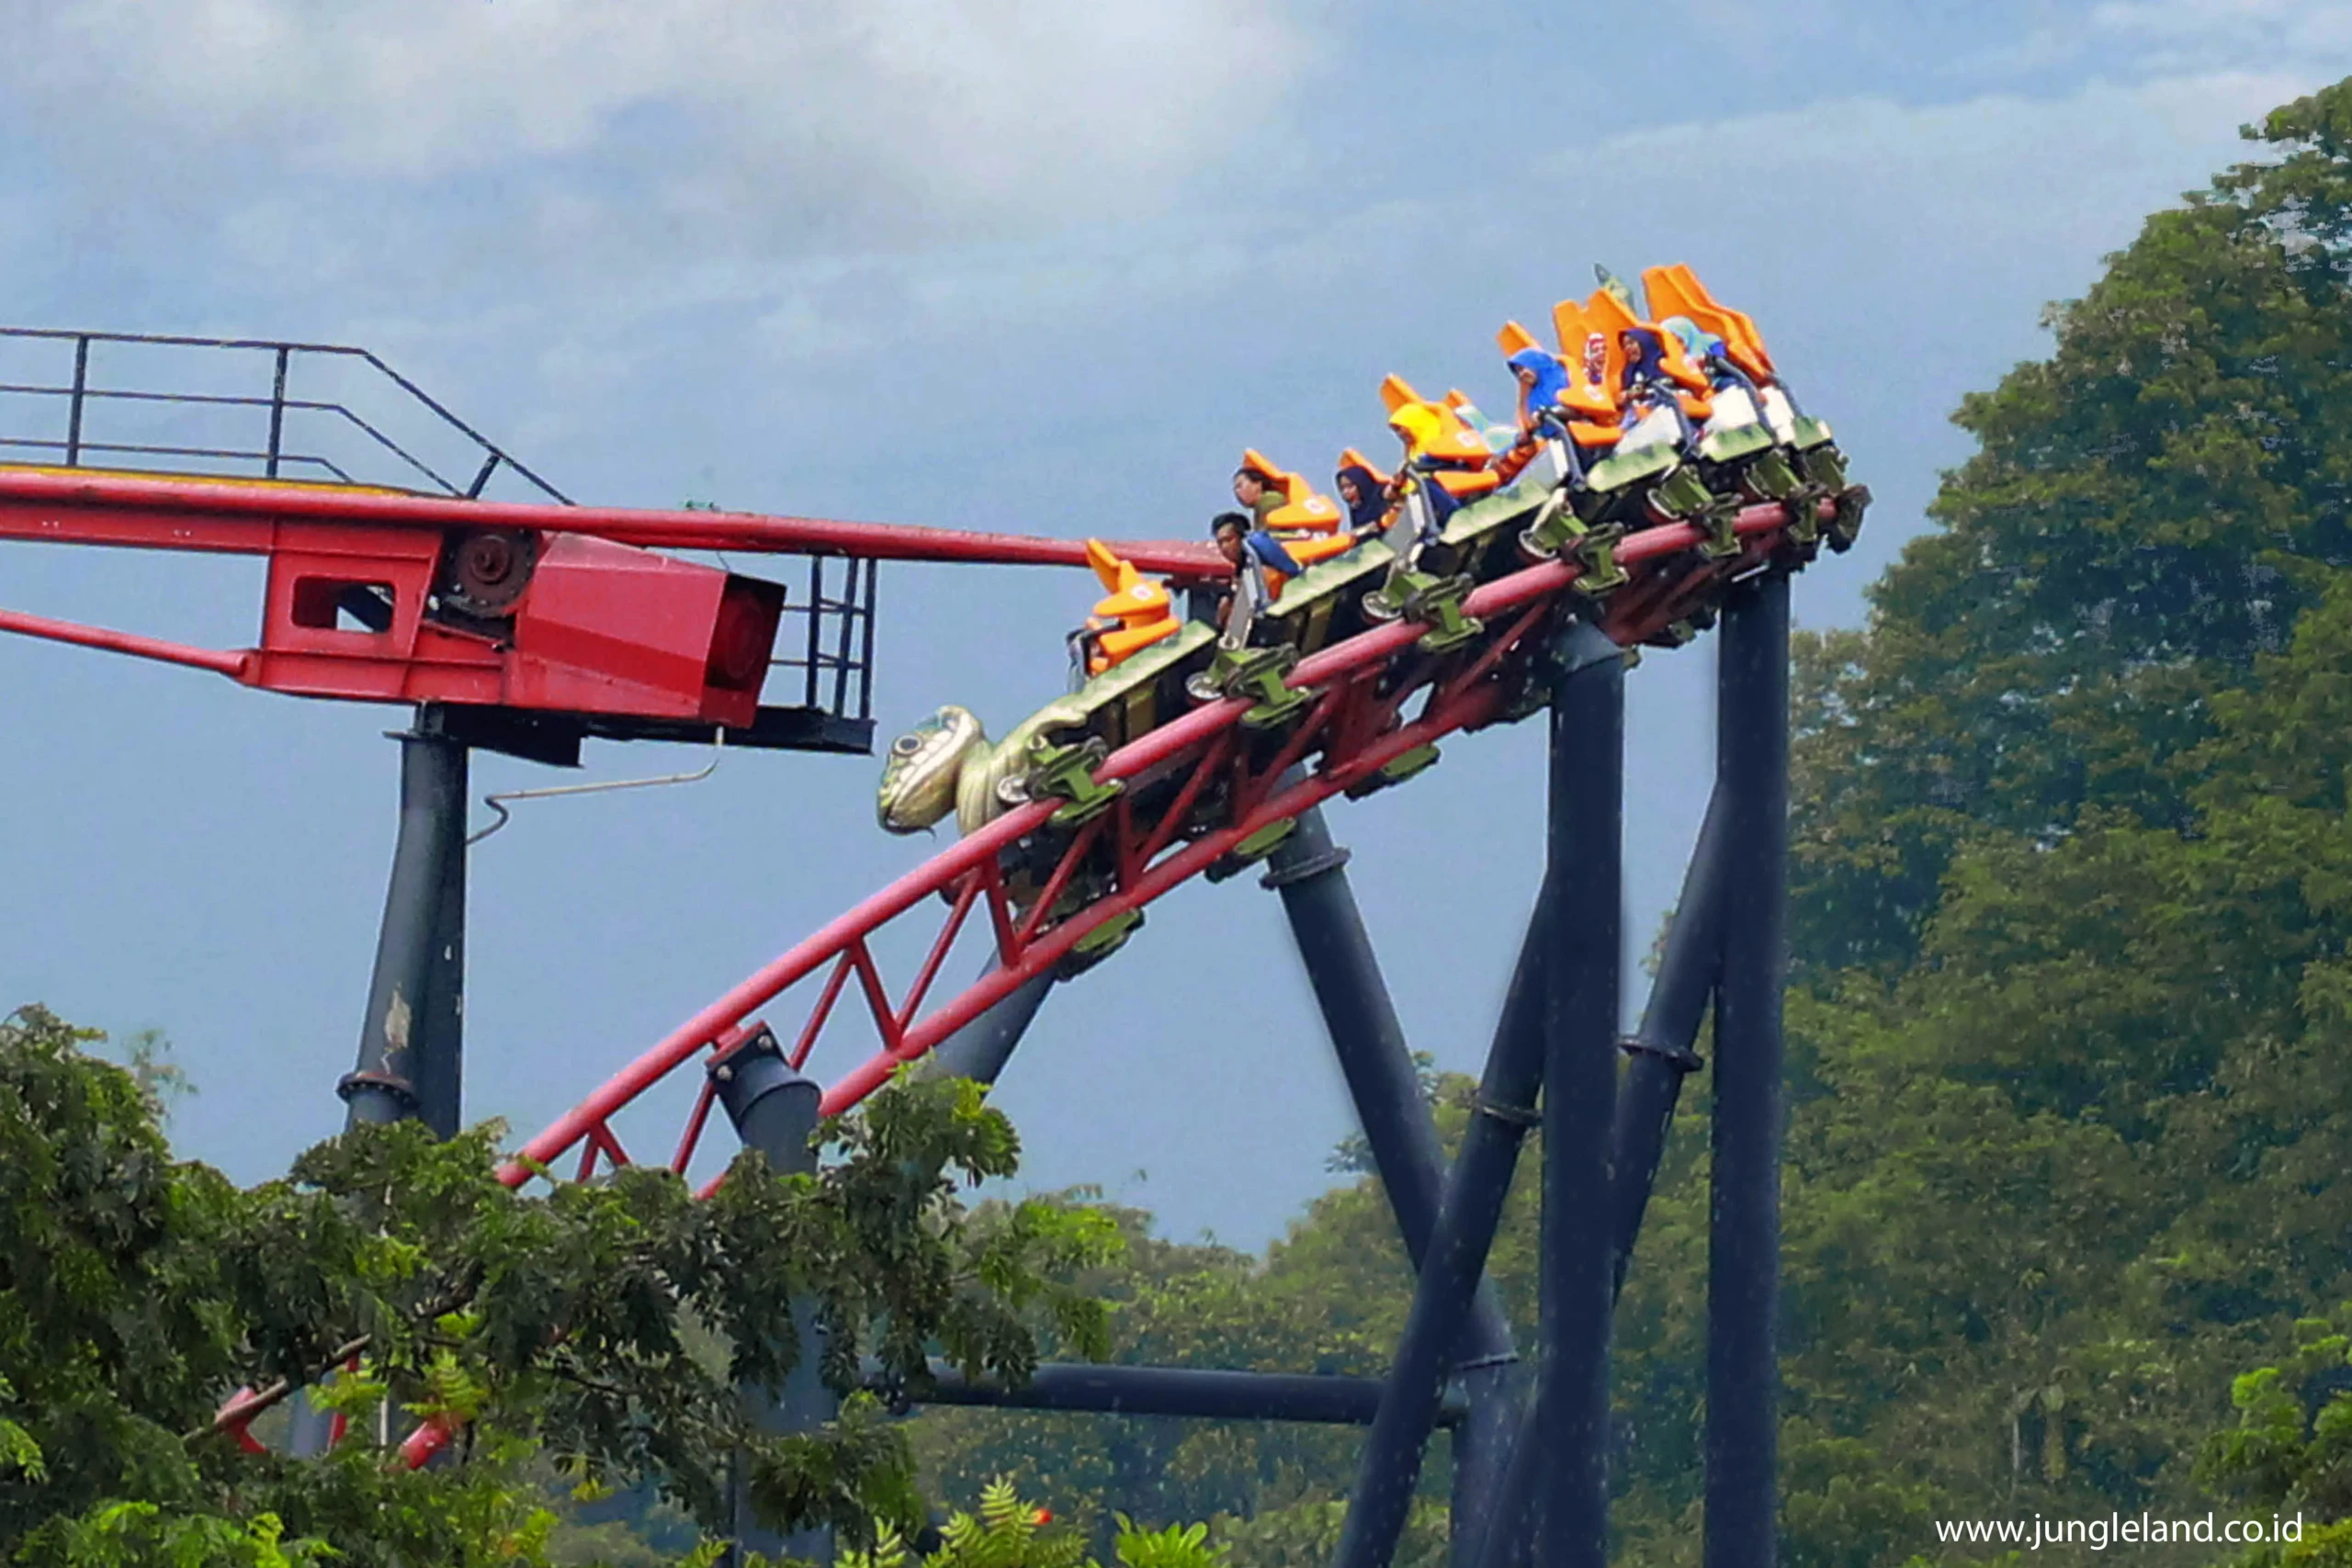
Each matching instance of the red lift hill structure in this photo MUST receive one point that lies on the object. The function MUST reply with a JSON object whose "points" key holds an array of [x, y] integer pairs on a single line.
{"points": [[410, 560]]}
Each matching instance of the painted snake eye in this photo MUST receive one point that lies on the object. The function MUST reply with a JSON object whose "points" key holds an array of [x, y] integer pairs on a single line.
{"points": [[906, 745]]}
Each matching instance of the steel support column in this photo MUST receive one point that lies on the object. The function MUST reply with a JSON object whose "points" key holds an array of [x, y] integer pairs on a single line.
{"points": [[1661, 1053], [1744, 1229], [1453, 1265], [980, 1049], [1584, 862], [410, 1044], [775, 1110], [1658, 1057], [1202, 1393], [1310, 873]]}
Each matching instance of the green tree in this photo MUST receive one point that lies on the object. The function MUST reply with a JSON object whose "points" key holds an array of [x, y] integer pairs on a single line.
{"points": [[1007, 1532], [2290, 1453], [2072, 913], [2148, 509], [559, 1329]]}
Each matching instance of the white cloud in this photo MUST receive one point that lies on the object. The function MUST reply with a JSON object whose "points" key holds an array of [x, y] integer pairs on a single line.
{"points": [[1986, 172], [2276, 24], [584, 205], [886, 118]]}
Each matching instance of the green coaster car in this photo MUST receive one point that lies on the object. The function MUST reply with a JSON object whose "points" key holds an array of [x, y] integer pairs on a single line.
{"points": [[1480, 541], [947, 763], [1324, 605]]}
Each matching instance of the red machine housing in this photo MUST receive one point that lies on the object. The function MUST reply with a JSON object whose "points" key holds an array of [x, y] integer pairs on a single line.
{"points": [[527, 610], [565, 623]]}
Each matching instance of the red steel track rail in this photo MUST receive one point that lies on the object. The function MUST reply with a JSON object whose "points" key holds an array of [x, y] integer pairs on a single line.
{"points": [[1354, 727], [607, 627], [228, 517], [1347, 723]]}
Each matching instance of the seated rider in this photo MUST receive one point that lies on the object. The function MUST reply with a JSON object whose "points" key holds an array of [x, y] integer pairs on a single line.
{"points": [[1739, 397], [1257, 490], [1652, 402], [1542, 380], [1253, 553], [1425, 504], [1137, 614], [1367, 497], [1731, 353], [1419, 427], [1708, 351]]}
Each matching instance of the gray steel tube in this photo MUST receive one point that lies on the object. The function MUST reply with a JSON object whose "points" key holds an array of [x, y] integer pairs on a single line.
{"points": [[1660, 1057], [980, 1049], [1743, 1232], [1585, 854], [1310, 873], [1453, 1265], [1211, 1394], [410, 1042], [773, 1110], [1660, 1054]]}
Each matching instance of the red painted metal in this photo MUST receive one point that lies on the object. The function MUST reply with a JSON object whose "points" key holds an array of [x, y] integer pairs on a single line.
{"points": [[1182, 806], [1056, 885], [970, 869], [970, 891], [691, 1138], [843, 941], [145, 513], [1194, 858], [243, 1432], [600, 628], [233, 665], [601, 624]]}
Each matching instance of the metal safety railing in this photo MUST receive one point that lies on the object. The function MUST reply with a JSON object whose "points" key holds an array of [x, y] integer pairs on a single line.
{"points": [[248, 423], [830, 634], [261, 443]]}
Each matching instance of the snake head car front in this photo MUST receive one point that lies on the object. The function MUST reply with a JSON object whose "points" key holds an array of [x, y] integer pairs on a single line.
{"points": [[919, 780]]}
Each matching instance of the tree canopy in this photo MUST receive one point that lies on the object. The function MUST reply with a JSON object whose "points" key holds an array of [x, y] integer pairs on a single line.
{"points": [[600, 1331], [2067, 1203], [2071, 902]]}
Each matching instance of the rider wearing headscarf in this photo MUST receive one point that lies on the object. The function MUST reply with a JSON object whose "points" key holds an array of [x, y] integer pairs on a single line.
{"points": [[1542, 380], [1709, 354], [1368, 506], [1647, 387], [1645, 361]]}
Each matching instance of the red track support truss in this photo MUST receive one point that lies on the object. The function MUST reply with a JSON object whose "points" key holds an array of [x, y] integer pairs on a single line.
{"points": [[1355, 727]]}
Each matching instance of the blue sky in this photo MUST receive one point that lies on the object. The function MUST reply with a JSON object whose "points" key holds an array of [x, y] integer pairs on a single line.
{"points": [[923, 262]]}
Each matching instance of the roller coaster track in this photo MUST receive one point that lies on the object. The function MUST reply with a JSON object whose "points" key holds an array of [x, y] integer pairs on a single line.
{"points": [[1353, 727], [1056, 883], [1354, 723]]}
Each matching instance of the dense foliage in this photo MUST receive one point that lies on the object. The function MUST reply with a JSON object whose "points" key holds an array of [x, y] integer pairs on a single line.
{"points": [[2070, 1120], [601, 1332], [2067, 1210]]}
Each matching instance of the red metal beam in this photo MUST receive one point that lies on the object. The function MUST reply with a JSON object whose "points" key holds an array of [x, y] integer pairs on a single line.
{"points": [[236, 666], [973, 864], [241, 519], [947, 869], [1187, 863]]}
